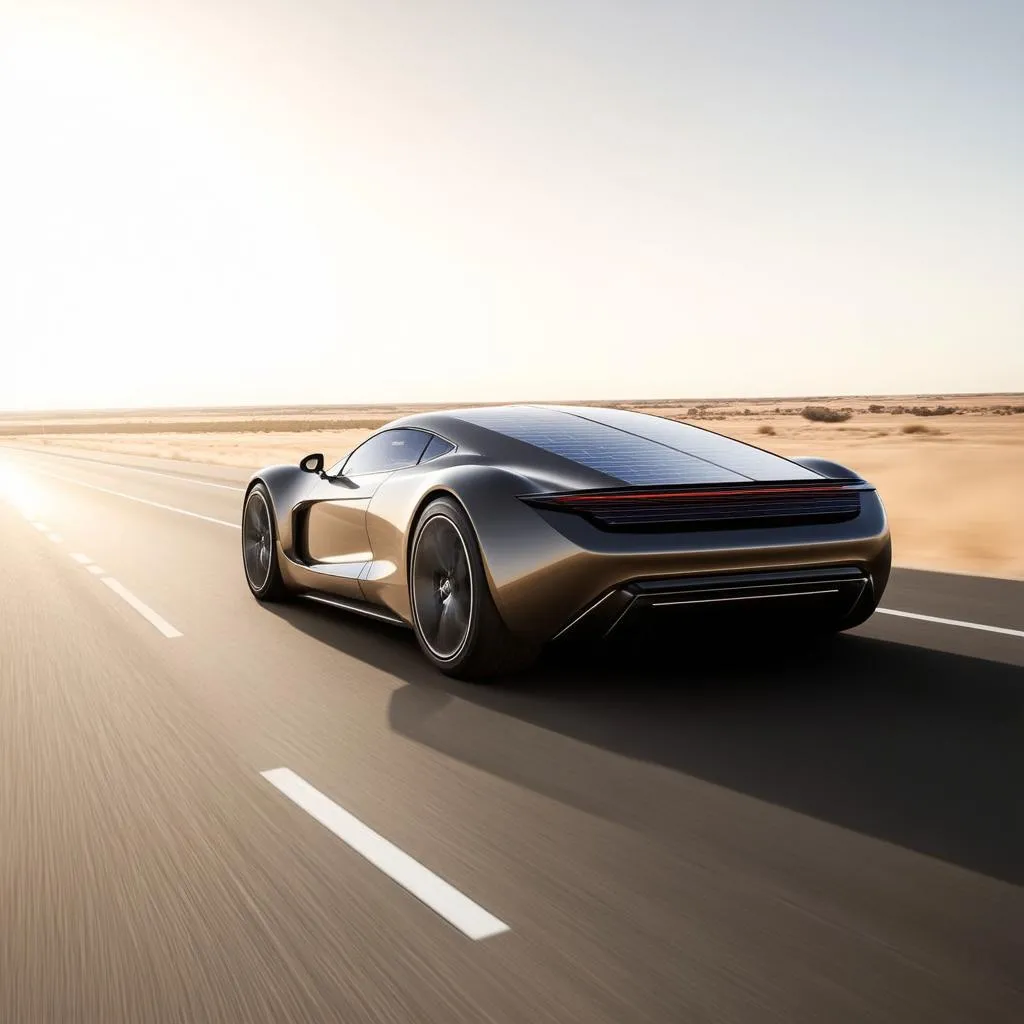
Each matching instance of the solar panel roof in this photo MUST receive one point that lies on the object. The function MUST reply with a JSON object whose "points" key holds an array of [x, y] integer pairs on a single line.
{"points": [[635, 448], [634, 460], [751, 462]]}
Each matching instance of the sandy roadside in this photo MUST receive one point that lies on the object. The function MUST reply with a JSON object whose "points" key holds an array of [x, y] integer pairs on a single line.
{"points": [[954, 494]]}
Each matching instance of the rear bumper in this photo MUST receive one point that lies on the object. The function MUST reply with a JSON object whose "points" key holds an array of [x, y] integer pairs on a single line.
{"points": [[562, 565], [805, 595]]}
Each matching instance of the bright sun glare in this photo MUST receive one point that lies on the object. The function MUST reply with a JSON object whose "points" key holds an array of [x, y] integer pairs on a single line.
{"points": [[143, 218], [22, 492]]}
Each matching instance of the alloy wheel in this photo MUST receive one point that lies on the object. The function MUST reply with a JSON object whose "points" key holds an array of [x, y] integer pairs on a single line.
{"points": [[442, 587], [257, 540]]}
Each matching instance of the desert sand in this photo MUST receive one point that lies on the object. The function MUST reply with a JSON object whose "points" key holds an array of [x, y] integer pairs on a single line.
{"points": [[953, 484]]}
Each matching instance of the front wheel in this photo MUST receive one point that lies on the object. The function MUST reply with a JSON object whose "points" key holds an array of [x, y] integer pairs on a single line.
{"points": [[259, 547], [456, 622]]}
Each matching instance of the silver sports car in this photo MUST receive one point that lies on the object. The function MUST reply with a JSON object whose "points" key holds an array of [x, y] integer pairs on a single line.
{"points": [[492, 531]]}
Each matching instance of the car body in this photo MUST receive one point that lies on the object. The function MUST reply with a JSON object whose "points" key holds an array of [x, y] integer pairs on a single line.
{"points": [[567, 521]]}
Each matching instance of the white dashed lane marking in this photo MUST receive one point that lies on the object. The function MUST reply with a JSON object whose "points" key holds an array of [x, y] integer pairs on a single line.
{"points": [[459, 910], [157, 621]]}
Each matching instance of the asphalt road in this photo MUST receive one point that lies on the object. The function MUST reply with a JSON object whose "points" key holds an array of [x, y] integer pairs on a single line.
{"points": [[710, 834]]}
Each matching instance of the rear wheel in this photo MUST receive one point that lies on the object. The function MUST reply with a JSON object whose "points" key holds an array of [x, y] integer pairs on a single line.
{"points": [[456, 622], [259, 547]]}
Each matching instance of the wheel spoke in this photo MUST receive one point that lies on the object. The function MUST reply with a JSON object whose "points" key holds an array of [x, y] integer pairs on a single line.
{"points": [[458, 611], [460, 574], [434, 554], [429, 609], [452, 552], [449, 632]]}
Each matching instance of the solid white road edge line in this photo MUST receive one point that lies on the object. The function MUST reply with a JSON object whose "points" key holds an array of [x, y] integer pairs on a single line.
{"points": [[134, 469], [951, 622], [470, 919], [142, 501], [914, 567], [81, 559], [143, 609]]}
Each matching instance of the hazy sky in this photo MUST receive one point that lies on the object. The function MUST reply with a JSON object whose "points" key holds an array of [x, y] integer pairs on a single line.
{"points": [[207, 201]]}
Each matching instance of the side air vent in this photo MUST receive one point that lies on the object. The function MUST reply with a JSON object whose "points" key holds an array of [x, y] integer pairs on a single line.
{"points": [[716, 508]]}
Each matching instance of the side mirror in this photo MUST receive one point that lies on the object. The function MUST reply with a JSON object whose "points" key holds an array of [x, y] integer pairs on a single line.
{"points": [[312, 463]]}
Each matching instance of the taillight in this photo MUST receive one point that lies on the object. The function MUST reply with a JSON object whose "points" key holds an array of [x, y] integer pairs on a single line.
{"points": [[710, 508], [741, 493]]}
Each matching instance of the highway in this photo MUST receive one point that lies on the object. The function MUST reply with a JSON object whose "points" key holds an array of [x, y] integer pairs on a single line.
{"points": [[706, 834]]}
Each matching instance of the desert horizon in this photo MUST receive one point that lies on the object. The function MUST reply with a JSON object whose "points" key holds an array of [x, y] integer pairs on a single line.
{"points": [[11, 418], [949, 467]]}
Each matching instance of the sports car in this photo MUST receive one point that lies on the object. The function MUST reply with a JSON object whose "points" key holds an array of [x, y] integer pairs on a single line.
{"points": [[492, 531]]}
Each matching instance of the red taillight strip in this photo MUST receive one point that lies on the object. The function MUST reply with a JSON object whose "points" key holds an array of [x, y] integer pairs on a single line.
{"points": [[570, 499]]}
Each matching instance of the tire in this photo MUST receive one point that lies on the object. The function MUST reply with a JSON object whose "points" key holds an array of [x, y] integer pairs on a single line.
{"points": [[259, 547], [454, 616]]}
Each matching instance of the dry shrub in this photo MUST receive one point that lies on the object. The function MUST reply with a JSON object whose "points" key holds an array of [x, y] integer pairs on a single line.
{"points": [[922, 410], [823, 414], [919, 428], [766, 428]]}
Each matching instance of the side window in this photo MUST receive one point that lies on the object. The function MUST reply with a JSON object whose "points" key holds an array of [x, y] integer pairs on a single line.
{"points": [[436, 449], [389, 450]]}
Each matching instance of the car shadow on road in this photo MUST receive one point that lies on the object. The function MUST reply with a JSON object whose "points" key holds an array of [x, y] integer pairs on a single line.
{"points": [[910, 745]]}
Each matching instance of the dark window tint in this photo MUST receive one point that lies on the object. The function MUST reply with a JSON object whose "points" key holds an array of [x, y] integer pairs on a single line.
{"points": [[392, 449], [436, 449]]}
